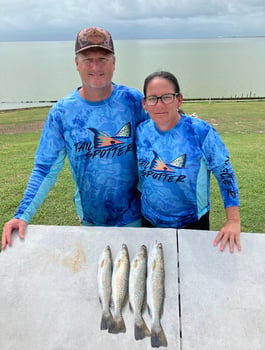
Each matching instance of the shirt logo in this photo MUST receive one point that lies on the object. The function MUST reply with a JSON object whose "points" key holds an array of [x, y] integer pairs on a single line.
{"points": [[159, 164], [106, 146], [103, 140], [159, 170]]}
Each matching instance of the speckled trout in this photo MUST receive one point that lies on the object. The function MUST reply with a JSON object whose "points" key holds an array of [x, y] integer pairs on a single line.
{"points": [[120, 281], [156, 293], [137, 291], [104, 286]]}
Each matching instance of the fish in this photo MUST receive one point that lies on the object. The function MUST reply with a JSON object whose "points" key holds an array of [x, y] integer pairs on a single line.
{"points": [[137, 292], [104, 276], [120, 284], [156, 293]]}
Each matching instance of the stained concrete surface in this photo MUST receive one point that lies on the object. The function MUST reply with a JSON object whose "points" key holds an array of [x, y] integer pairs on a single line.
{"points": [[49, 300], [222, 294], [48, 293]]}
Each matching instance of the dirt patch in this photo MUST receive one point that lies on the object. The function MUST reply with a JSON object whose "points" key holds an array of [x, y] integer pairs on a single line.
{"points": [[21, 128]]}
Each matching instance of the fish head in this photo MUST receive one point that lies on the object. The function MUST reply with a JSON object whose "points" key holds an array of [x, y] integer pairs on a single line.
{"points": [[105, 257]]}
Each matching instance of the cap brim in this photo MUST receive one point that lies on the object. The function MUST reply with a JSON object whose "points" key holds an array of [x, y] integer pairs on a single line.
{"points": [[94, 46]]}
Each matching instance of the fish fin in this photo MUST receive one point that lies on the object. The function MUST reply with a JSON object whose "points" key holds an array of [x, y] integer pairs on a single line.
{"points": [[117, 326], [130, 307], [106, 321], [141, 330], [158, 338], [149, 310]]}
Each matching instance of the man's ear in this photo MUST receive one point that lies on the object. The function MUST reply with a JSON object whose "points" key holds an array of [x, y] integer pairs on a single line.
{"points": [[114, 62], [76, 63], [143, 104]]}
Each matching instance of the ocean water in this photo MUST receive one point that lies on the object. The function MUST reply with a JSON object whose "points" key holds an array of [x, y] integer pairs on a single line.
{"points": [[40, 72]]}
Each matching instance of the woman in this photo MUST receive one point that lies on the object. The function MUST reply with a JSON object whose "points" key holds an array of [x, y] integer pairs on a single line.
{"points": [[176, 154]]}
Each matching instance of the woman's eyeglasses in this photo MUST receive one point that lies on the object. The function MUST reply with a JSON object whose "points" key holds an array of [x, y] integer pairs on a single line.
{"points": [[166, 99]]}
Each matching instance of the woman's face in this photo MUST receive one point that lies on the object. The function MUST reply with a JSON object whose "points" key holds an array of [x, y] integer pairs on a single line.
{"points": [[164, 115]]}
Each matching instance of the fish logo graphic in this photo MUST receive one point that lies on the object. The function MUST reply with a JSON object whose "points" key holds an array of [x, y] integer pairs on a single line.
{"points": [[158, 163], [101, 139]]}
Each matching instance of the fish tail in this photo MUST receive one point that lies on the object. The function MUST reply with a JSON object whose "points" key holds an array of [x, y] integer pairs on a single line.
{"points": [[117, 325], [158, 338], [141, 330], [106, 321]]}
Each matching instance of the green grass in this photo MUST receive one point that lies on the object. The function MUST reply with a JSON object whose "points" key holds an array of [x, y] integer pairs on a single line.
{"points": [[241, 125], [17, 156], [231, 117], [23, 116]]}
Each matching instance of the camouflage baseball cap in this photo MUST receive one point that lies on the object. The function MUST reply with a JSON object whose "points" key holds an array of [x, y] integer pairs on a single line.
{"points": [[93, 37]]}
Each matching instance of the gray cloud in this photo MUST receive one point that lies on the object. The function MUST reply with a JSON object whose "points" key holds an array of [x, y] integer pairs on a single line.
{"points": [[61, 20]]}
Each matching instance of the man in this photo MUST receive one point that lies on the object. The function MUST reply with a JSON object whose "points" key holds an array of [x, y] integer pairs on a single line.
{"points": [[94, 126]]}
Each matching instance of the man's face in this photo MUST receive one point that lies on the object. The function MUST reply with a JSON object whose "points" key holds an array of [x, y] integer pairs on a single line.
{"points": [[96, 67]]}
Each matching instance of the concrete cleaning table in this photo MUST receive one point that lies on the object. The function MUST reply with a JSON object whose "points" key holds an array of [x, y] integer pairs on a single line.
{"points": [[49, 298]]}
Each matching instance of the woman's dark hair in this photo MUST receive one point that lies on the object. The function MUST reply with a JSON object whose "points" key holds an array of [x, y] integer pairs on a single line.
{"points": [[162, 74]]}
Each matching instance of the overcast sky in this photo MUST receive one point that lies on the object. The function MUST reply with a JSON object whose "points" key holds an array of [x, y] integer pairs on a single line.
{"points": [[131, 19]]}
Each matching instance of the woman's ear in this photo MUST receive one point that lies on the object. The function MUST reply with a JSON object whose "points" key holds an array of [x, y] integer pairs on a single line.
{"points": [[180, 98]]}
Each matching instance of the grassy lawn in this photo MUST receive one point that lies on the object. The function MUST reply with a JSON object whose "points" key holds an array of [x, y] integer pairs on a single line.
{"points": [[241, 125]]}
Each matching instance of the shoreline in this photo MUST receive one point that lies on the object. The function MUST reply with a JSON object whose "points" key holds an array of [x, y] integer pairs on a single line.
{"points": [[48, 104]]}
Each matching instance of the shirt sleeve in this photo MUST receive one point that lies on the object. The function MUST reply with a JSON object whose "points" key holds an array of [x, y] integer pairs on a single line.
{"points": [[218, 161], [49, 160]]}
